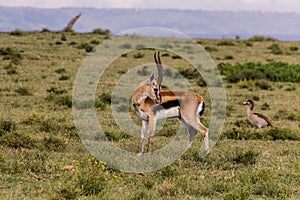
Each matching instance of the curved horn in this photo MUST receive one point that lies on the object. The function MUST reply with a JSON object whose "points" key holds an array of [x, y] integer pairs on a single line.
{"points": [[159, 68]]}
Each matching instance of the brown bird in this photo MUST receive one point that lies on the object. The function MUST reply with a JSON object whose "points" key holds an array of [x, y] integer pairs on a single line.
{"points": [[256, 119]]}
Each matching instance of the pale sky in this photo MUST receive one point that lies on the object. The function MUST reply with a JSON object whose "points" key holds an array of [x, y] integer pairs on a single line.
{"points": [[231, 5]]}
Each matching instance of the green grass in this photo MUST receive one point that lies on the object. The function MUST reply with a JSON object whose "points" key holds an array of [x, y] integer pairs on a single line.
{"points": [[42, 157]]}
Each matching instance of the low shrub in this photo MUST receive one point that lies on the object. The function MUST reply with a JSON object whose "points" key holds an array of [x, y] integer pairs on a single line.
{"points": [[176, 57], [12, 54], [101, 31], [64, 77], [61, 100], [115, 135], [275, 49], [248, 157], [17, 32], [228, 57], [105, 98], [138, 55], [60, 70], [144, 71], [6, 126], [260, 38], [294, 48], [245, 84], [210, 49], [63, 37], [126, 46], [86, 46], [226, 43], [96, 42], [58, 42], [263, 84], [55, 90], [189, 73], [53, 143], [23, 91]]}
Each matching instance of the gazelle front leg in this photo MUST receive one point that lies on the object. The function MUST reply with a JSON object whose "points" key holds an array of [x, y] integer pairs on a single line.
{"points": [[143, 135]]}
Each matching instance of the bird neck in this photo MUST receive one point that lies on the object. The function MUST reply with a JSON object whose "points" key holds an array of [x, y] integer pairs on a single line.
{"points": [[249, 111], [251, 106]]}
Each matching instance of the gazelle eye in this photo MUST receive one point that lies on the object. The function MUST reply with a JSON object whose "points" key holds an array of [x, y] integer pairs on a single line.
{"points": [[155, 90]]}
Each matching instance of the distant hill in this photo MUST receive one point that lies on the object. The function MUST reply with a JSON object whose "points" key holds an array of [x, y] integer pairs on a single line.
{"points": [[208, 24]]}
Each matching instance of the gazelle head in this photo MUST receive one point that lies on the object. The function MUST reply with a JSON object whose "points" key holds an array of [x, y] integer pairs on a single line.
{"points": [[153, 85]]}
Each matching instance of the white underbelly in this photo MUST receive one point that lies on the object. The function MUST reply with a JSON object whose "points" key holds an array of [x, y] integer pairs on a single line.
{"points": [[167, 113]]}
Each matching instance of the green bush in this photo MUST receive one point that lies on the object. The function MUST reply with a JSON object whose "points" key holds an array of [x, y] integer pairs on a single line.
{"points": [[272, 71], [245, 74]]}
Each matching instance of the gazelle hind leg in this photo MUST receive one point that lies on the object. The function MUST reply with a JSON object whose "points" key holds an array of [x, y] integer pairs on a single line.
{"points": [[198, 126], [150, 132], [205, 134], [193, 132], [192, 129]]}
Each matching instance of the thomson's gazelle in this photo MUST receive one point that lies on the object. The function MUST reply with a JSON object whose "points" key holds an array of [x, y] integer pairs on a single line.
{"points": [[152, 104]]}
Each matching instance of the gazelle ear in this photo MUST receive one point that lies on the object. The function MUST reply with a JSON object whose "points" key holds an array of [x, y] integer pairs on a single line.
{"points": [[151, 78]]}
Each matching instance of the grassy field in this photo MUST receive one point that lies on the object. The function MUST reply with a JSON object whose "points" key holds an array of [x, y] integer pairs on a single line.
{"points": [[42, 157]]}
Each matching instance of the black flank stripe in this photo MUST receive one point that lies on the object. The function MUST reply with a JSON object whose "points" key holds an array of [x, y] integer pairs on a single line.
{"points": [[166, 105]]}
